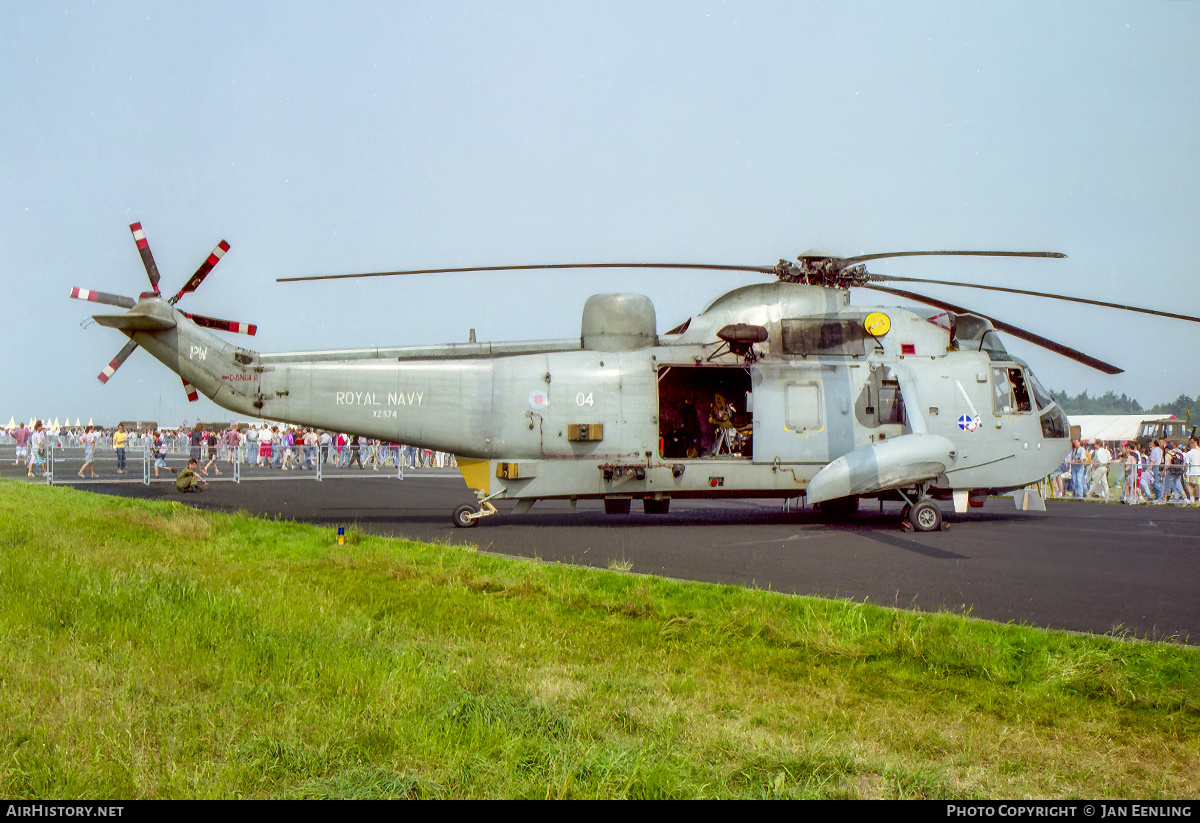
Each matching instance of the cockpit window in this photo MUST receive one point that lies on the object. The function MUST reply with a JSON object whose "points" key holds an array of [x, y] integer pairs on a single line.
{"points": [[1054, 424], [1010, 394]]}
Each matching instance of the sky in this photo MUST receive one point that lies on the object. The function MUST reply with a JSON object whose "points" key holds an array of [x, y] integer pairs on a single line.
{"points": [[328, 138]]}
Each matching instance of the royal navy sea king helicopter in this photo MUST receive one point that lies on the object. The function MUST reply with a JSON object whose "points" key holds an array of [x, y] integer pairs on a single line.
{"points": [[781, 389]]}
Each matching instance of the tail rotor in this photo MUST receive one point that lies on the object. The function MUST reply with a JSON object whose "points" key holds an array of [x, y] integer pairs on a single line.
{"points": [[196, 279], [116, 362], [143, 245]]}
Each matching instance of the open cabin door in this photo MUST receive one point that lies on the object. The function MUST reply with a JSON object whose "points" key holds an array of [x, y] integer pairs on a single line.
{"points": [[705, 412]]}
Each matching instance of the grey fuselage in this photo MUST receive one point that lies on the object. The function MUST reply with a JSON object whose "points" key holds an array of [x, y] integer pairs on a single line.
{"points": [[815, 390]]}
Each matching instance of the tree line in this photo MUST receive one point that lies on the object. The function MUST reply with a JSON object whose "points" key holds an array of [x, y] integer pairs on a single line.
{"points": [[1109, 403]]}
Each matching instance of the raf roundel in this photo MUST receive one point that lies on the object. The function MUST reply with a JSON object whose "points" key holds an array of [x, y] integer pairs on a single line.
{"points": [[538, 399], [968, 423]]}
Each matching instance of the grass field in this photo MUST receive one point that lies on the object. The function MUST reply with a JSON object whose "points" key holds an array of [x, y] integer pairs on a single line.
{"points": [[150, 650]]}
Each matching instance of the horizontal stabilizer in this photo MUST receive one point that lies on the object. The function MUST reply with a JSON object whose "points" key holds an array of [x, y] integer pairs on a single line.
{"points": [[134, 322]]}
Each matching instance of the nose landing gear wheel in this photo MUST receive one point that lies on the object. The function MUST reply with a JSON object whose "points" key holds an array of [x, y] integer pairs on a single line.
{"points": [[925, 516], [462, 517]]}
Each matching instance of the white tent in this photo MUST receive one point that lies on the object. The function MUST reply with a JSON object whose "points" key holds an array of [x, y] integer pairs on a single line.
{"points": [[1114, 427]]}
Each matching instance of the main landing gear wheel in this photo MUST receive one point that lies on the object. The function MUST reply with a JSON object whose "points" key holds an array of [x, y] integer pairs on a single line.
{"points": [[619, 505], [462, 517], [841, 507], [926, 516]]}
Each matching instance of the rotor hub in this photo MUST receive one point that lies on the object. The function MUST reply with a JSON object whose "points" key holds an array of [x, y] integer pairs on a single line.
{"points": [[822, 271]]}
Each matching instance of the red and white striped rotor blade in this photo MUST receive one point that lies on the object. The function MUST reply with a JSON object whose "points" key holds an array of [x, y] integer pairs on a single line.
{"points": [[192, 395], [116, 362], [222, 325], [103, 297], [143, 245], [196, 279]]}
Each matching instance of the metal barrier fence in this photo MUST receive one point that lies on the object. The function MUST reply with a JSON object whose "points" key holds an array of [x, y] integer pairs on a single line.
{"points": [[64, 462]]}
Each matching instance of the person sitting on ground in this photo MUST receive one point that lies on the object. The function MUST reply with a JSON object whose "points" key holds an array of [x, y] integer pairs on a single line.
{"points": [[188, 480]]}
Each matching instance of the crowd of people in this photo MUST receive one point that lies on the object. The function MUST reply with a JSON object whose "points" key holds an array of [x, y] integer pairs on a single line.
{"points": [[1162, 472], [292, 447], [270, 446]]}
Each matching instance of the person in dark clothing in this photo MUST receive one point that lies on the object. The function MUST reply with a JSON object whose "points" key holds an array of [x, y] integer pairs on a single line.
{"points": [[355, 452]]}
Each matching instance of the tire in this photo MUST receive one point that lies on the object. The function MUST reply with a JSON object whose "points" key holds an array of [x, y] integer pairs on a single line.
{"points": [[652, 506], [617, 505], [926, 516], [462, 517]]}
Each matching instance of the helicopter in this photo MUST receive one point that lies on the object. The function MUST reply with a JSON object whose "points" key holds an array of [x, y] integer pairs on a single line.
{"points": [[780, 389]]}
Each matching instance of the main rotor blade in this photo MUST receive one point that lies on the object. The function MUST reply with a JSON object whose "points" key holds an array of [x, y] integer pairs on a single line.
{"points": [[1029, 337], [143, 245], [691, 266], [839, 264], [116, 362], [845, 262], [103, 297], [222, 325], [196, 279], [887, 278]]}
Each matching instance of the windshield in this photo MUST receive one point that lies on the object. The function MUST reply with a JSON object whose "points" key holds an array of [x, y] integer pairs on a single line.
{"points": [[1040, 394]]}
